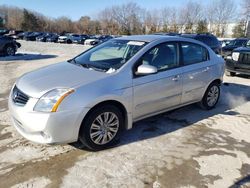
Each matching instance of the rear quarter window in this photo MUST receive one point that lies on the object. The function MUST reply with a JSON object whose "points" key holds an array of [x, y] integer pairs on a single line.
{"points": [[193, 53]]}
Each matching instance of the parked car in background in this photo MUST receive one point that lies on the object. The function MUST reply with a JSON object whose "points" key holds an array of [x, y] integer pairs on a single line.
{"points": [[3, 31], [78, 39], [239, 42], [92, 40], [52, 38], [42, 38], [32, 36], [14, 33], [104, 38], [23, 34], [64, 38], [207, 39], [96, 39], [239, 61], [112, 85], [8, 46], [225, 42]]}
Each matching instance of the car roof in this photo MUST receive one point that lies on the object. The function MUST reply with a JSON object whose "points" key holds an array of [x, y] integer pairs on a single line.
{"points": [[147, 38]]}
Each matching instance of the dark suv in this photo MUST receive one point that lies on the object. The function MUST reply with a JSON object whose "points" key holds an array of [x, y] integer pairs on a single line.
{"points": [[239, 62], [8, 46], [207, 39], [239, 42]]}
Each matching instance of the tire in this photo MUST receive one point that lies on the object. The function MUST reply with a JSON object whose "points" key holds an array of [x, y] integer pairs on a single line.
{"points": [[228, 73], [68, 41], [92, 134], [212, 93], [9, 50]]}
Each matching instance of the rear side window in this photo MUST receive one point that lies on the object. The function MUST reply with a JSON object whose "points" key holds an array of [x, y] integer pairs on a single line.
{"points": [[193, 53]]}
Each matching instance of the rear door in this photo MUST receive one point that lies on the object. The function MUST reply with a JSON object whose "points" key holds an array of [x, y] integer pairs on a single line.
{"points": [[196, 71]]}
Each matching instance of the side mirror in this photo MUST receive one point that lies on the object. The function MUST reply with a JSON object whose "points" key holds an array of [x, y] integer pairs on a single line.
{"points": [[146, 69]]}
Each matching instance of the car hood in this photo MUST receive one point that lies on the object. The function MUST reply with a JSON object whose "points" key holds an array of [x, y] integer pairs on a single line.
{"points": [[242, 49], [61, 75], [228, 48]]}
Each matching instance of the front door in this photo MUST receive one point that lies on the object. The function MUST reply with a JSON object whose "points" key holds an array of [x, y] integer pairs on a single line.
{"points": [[160, 91]]}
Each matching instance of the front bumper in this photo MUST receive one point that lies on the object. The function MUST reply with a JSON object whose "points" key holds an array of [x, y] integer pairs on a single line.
{"points": [[233, 66], [46, 128]]}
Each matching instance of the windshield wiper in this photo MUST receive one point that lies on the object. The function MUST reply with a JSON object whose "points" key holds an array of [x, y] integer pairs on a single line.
{"points": [[89, 66], [86, 65]]}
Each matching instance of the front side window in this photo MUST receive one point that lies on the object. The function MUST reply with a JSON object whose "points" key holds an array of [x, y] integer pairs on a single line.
{"points": [[193, 53], [163, 56], [109, 55]]}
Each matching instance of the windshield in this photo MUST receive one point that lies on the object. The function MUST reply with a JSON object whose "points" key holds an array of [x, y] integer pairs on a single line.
{"points": [[236, 43], [109, 56]]}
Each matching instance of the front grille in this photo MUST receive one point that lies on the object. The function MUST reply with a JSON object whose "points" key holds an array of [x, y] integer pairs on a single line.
{"points": [[244, 58], [19, 97]]}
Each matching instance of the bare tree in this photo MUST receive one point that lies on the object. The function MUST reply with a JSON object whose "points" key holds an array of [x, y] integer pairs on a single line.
{"points": [[127, 16], [108, 24], [220, 13], [190, 15], [245, 6]]}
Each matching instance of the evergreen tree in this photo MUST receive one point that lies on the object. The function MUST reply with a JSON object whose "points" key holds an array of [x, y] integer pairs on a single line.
{"points": [[30, 21]]}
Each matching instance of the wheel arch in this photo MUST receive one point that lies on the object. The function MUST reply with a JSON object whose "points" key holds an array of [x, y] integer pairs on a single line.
{"points": [[115, 103], [217, 80]]}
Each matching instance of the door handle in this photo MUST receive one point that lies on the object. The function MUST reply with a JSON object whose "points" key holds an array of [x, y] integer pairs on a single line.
{"points": [[176, 78], [206, 69]]}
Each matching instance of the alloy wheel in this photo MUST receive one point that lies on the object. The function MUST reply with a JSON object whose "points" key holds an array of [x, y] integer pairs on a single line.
{"points": [[212, 96], [104, 128]]}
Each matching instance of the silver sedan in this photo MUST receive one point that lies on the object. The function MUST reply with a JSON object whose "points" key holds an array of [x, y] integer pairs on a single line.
{"points": [[101, 92]]}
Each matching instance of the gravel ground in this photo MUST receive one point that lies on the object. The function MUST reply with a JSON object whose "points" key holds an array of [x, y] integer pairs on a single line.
{"points": [[187, 147]]}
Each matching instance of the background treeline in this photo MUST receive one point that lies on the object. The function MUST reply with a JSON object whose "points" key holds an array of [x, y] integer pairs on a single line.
{"points": [[213, 16]]}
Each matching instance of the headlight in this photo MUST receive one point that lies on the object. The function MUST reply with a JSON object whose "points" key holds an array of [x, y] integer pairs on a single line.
{"points": [[50, 101], [235, 56]]}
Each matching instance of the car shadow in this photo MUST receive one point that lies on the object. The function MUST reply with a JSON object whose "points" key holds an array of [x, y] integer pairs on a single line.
{"points": [[242, 76], [26, 56], [241, 182], [232, 95]]}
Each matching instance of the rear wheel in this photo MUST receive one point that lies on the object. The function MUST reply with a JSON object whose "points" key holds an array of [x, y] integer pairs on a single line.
{"points": [[10, 50], [211, 96], [102, 127]]}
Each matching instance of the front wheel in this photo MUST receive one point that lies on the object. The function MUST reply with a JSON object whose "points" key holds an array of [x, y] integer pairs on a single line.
{"points": [[102, 127], [10, 50], [211, 96]]}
